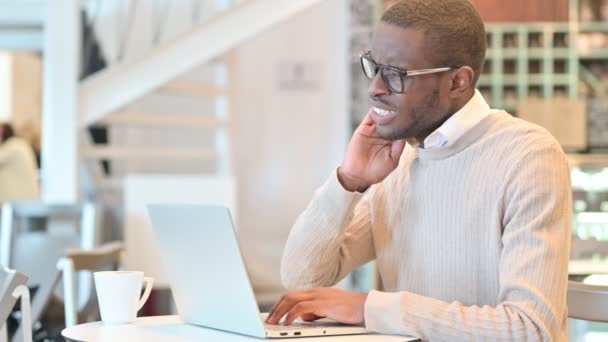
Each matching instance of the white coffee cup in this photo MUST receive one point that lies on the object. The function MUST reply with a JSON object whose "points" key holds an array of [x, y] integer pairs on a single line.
{"points": [[118, 295]]}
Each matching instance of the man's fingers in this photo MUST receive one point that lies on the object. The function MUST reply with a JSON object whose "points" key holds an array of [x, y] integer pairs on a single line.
{"points": [[367, 119], [274, 308], [286, 304], [303, 308], [310, 317], [396, 149], [367, 125]]}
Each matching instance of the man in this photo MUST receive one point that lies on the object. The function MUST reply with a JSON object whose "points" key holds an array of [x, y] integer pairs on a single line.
{"points": [[466, 210]]}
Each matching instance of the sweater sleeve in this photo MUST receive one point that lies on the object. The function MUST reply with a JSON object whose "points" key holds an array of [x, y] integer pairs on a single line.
{"points": [[330, 238], [533, 270]]}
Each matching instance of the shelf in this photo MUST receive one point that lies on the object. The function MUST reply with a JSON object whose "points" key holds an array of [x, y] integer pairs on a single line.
{"points": [[509, 108], [485, 80], [530, 53], [535, 27], [506, 53], [587, 266], [594, 54], [556, 80], [550, 68], [593, 160], [554, 53], [593, 27]]}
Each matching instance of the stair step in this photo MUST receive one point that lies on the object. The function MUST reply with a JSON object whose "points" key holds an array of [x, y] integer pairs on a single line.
{"points": [[156, 120], [192, 88], [157, 153], [120, 84]]}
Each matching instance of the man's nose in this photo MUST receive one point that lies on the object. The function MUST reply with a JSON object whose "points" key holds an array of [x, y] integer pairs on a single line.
{"points": [[377, 87]]}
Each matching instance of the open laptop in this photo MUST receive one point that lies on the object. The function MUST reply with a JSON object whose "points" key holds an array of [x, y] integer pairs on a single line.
{"points": [[208, 278]]}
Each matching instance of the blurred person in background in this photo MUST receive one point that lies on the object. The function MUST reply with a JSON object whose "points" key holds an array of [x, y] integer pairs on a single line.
{"points": [[31, 134], [18, 170]]}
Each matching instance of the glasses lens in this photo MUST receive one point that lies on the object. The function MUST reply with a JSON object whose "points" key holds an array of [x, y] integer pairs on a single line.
{"points": [[393, 79], [368, 67]]}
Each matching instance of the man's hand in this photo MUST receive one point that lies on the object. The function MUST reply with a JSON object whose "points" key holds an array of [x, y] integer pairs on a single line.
{"points": [[369, 157], [341, 306]]}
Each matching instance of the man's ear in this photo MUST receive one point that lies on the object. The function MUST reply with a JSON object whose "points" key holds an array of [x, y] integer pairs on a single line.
{"points": [[462, 81]]}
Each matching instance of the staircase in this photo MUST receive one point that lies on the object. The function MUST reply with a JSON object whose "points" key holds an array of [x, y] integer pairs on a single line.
{"points": [[166, 100], [116, 96]]}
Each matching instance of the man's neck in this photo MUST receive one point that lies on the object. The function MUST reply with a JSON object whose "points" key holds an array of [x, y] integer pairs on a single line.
{"points": [[458, 105]]}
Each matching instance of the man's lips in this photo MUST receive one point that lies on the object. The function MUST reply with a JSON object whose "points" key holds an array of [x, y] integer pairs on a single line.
{"points": [[382, 116], [382, 112]]}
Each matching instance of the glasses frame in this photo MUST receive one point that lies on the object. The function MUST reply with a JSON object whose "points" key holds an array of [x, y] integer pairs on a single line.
{"points": [[379, 68]]}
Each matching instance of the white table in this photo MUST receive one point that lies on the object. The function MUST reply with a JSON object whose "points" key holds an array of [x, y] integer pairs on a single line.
{"points": [[172, 328]]}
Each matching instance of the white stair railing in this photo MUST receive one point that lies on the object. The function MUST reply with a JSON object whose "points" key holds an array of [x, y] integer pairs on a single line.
{"points": [[135, 69], [122, 83]]}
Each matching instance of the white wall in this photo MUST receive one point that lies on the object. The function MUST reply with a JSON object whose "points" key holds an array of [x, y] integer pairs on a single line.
{"points": [[288, 140], [27, 90], [291, 128], [6, 91]]}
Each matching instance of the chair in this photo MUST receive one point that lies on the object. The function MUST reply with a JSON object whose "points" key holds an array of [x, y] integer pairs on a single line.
{"points": [[57, 217], [106, 257], [587, 302], [140, 190], [66, 226], [12, 288]]}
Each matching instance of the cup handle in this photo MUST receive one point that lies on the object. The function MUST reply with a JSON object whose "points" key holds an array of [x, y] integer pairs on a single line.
{"points": [[149, 281]]}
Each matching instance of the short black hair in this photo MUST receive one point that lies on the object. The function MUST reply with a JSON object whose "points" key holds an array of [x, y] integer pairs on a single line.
{"points": [[454, 32]]}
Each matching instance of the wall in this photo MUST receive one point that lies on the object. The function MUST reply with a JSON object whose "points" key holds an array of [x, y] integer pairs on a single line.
{"points": [[292, 130], [27, 88], [291, 126], [6, 91], [20, 89], [519, 10], [522, 10]]}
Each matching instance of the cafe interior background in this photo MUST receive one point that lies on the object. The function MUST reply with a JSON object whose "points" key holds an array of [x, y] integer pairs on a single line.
{"points": [[250, 104]]}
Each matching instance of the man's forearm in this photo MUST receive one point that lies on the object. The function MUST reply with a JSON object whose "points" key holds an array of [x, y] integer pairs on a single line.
{"points": [[431, 319], [317, 252]]}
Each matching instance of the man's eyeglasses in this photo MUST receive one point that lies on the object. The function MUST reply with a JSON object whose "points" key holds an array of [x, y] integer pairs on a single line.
{"points": [[393, 76]]}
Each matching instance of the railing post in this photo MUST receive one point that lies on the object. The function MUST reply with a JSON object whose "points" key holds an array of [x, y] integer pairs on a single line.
{"points": [[61, 60]]}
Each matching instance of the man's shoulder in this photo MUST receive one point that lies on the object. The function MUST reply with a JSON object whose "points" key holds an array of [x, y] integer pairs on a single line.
{"points": [[509, 142], [515, 132]]}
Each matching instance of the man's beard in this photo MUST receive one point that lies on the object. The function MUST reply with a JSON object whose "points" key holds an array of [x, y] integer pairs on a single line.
{"points": [[419, 128]]}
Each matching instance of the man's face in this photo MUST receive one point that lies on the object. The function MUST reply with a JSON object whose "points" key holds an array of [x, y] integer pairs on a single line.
{"points": [[424, 104]]}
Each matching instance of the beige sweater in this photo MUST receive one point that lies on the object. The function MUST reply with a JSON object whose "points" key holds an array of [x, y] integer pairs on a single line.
{"points": [[471, 241]]}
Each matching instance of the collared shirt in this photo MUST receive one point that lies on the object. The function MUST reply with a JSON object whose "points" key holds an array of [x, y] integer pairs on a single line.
{"points": [[458, 124]]}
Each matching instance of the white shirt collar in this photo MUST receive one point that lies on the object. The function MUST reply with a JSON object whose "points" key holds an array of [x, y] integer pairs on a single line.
{"points": [[458, 124]]}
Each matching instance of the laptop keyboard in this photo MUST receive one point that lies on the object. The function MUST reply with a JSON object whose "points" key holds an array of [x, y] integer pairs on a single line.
{"points": [[300, 325], [292, 326]]}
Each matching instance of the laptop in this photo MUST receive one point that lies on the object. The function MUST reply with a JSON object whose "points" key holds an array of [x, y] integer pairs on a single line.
{"points": [[203, 262]]}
